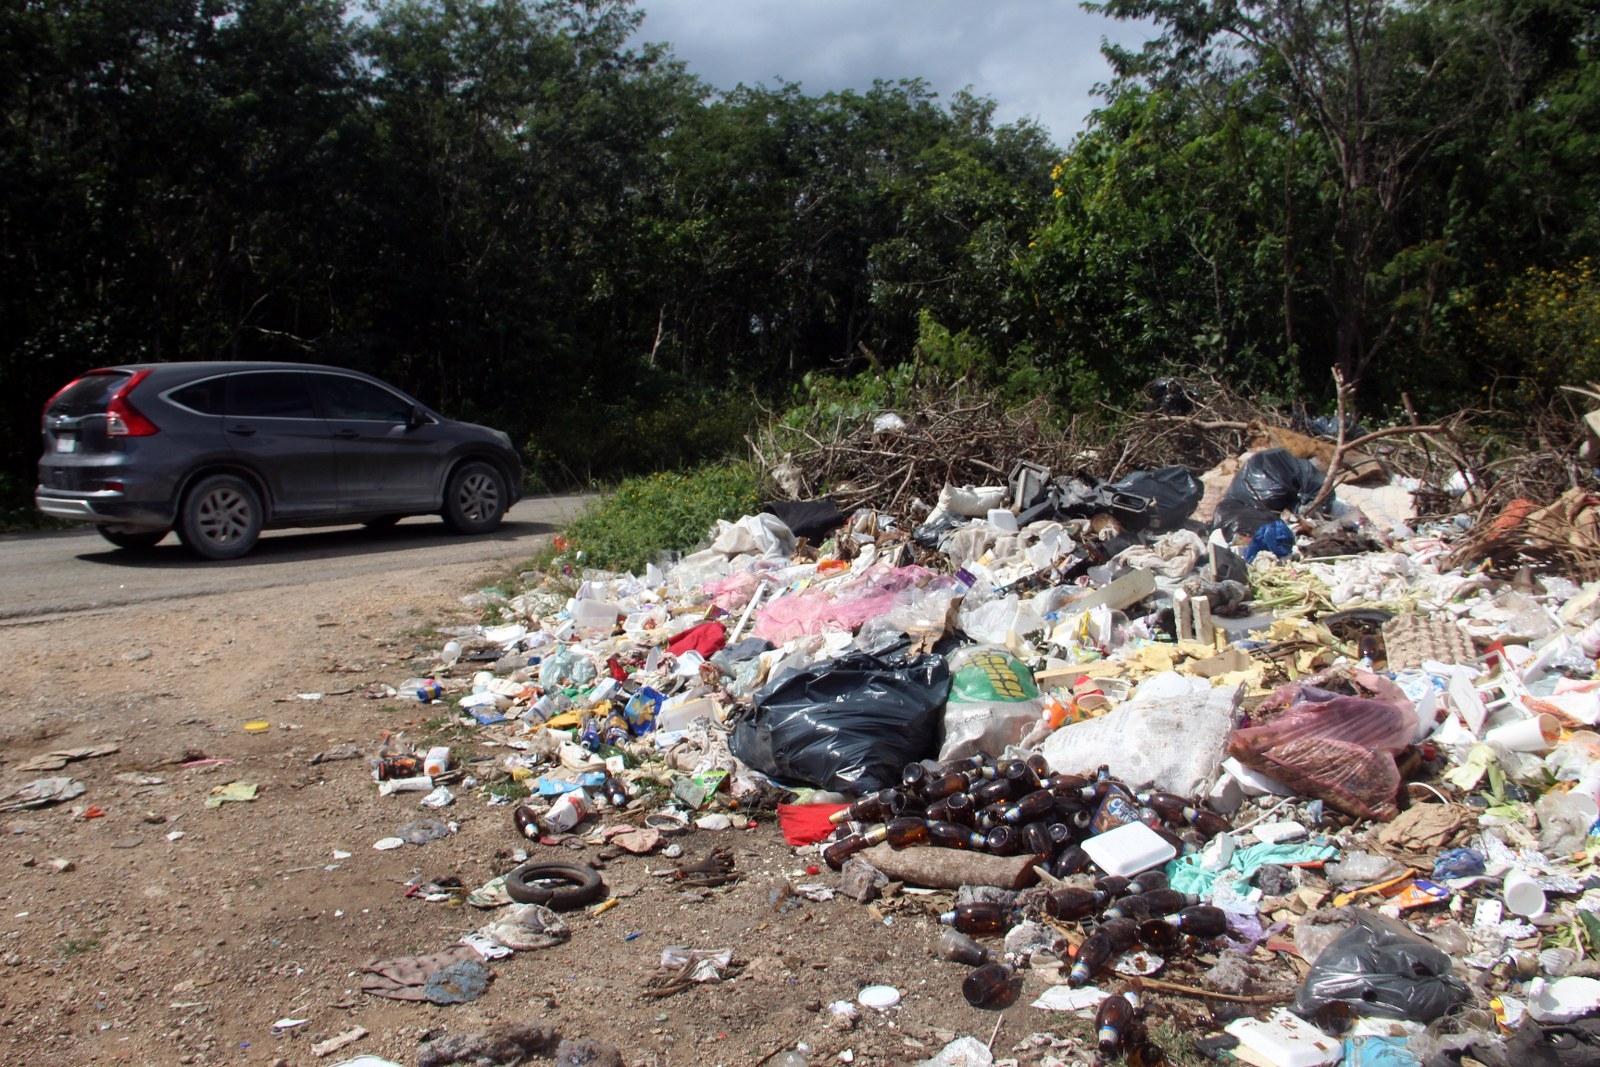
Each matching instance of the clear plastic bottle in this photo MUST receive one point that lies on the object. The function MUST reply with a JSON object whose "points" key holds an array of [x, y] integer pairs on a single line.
{"points": [[957, 947]]}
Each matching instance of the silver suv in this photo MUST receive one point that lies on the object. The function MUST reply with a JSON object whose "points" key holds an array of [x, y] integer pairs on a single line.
{"points": [[219, 451]]}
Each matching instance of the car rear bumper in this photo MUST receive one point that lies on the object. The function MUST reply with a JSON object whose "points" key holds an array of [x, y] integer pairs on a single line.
{"points": [[102, 506]]}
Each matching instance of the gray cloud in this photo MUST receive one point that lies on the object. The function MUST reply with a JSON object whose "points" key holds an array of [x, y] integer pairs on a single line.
{"points": [[1038, 59]]}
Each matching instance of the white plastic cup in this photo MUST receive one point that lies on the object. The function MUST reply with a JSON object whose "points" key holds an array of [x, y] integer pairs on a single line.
{"points": [[1537, 733], [1589, 782], [1589, 640], [1522, 894]]}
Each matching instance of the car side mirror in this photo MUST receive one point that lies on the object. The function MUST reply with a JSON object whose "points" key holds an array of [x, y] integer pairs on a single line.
{"points": [[415, 417]]}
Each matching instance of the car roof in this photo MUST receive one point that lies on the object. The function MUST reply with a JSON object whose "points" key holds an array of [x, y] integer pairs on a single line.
{"points": [[226, 364]]}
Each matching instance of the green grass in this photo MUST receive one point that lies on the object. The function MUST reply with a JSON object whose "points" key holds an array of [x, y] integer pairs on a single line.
{"points": [[78, 946], [509, 788], [624, 529], [1176, 1042]]}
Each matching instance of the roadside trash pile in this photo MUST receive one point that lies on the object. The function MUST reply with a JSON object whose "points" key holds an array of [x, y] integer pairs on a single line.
{"points": [[1300, 761]]}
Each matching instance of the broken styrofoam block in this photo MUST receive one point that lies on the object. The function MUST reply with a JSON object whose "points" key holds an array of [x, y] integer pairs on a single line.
{"points": [[1564, 1000], [1253, 782], [1226, 796], [1464, 699], [1119, 595], [1284, 1040]]}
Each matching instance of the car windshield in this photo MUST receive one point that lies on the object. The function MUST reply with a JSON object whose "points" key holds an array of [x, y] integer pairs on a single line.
{"points": [[88, 395]]}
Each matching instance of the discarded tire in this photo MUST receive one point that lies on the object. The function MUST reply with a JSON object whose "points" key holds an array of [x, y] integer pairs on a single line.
{"points": [[530, 884]]}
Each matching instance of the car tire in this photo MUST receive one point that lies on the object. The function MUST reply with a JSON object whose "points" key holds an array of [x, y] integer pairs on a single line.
{"points": [[475, 499], [529, 884], [221, 517], [133, 540]]}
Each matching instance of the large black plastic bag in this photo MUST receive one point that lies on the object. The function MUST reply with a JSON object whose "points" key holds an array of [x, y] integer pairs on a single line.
{"points": [[1379, 967], [1269, 483], [1172, 494], [850, 724]]}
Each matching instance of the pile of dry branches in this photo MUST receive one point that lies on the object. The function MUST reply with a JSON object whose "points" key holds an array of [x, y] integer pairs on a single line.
{"points": [[956, 438]]}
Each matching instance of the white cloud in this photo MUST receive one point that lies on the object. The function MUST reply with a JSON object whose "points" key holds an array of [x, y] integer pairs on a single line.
{"points": [[1035, 58]]}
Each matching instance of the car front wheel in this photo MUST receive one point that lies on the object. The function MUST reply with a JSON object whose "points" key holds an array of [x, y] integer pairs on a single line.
{"points": [[475, 499], [132, 538], [221, 517]]}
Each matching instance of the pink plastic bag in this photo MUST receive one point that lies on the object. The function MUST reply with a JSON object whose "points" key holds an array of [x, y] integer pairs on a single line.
{"points": [[879, 590], [1340, 750]]}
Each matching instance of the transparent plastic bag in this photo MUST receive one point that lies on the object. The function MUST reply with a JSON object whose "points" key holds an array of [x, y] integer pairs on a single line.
{"points": [[1340, 750]]}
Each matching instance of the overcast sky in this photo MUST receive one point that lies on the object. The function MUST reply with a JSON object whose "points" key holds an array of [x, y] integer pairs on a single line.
{"points": [[1034, 58]]}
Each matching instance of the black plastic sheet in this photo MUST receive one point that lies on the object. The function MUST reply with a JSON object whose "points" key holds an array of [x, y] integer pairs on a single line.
{"points": [[812, 519], [849, 724]]}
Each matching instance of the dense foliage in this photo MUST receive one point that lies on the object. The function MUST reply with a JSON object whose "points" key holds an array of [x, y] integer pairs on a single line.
{"points": [[662, 512], [514, 211]]}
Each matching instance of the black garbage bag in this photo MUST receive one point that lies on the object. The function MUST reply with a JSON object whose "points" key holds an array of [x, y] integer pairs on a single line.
{"points": [[1269, 483], [850, 724], [1328, 426], [1171, 495], [812, 519], [1379, 967], [1170, 397], [932, 534]]}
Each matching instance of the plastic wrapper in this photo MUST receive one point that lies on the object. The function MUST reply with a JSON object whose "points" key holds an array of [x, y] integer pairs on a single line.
{"points": [[848, 724], [1379, 967], [1268, 484], [753, 535], [733, 592], [1171, 495], [1001, 622], [1340, 750]]}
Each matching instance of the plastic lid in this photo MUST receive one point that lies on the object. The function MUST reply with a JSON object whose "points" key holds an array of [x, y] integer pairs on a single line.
{"points": [[879, 996]]}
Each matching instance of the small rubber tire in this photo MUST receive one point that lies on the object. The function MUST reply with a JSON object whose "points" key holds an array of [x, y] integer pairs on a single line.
{"points": [[221, 517], [583, 885], [132, 539], [475, 500]]}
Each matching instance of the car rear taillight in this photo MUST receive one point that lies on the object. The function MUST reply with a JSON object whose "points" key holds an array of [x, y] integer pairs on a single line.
{"points": [[122, 418]]}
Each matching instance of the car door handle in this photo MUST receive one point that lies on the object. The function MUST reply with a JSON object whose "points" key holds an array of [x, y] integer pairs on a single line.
{"points": [[346, 434], [243, 431]]}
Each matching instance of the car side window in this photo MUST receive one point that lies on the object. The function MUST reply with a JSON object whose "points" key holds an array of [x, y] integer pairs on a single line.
{"points": [[344, 397], [270, 395], [209, 397]]}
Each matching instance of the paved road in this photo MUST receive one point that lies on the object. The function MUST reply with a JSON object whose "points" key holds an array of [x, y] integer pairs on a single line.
{"points": [[48, 575]]}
